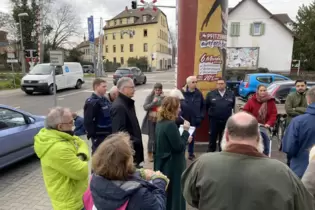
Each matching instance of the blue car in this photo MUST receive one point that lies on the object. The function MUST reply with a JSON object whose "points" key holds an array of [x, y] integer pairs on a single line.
{"points": [[248, 86], [17, 131]]}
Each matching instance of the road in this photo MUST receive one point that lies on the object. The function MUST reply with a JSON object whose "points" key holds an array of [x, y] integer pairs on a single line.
{"points": [[21, 185]]}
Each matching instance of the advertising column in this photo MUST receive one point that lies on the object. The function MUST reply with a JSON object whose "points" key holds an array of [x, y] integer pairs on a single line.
{"points": [[202, 46]]}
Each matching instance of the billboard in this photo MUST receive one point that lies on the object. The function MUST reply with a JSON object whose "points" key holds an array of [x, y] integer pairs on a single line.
{"points": [[211, 40], [245, 58]]}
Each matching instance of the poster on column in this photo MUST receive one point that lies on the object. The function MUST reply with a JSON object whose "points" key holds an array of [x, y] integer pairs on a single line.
{"points": [[211, 39]]}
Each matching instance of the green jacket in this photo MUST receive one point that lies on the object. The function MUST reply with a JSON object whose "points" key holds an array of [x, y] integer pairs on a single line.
{"points": [[65, 175], [295, 105], [169, 158], [232, 181]]}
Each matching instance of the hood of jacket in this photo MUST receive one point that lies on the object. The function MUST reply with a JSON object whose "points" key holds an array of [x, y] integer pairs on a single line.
{"points": [[110, 195], [46, 138], [311, 109]]}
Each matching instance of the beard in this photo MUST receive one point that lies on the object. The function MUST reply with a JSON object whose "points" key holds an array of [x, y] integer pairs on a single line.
{"points": [[259, 147]]}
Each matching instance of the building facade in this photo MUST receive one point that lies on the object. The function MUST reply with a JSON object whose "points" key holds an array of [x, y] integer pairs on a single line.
{"points": [[150, 38], [258, 39], [87, 52]]}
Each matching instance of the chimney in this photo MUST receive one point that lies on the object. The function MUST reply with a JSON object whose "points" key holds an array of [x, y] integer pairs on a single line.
{"points": [[84, 38], [126, 8]]}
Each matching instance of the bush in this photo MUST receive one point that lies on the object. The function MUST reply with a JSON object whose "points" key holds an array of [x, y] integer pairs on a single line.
{"points": [[7, 81], [141, 63], [110, 66]]}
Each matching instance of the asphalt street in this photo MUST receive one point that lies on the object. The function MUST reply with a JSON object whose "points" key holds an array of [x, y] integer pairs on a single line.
{"points": [[21, 185]]}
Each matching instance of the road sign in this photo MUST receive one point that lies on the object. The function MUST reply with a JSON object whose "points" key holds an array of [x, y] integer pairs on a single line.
{"points": [[12, 61], [147, 5], [91, 29], [56, 58], [10, 55]]}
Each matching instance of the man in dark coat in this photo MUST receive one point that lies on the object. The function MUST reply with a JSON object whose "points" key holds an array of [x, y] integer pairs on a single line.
{"points": [[194, 100], [124, 118]]}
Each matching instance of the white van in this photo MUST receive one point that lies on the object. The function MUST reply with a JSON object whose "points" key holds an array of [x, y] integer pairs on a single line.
{"points": [[40, 78]]}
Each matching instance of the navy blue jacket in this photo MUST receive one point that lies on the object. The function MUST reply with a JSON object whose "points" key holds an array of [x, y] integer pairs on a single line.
{"points": [[195, 101], [110, 195], [218, 107], [97, 119], [79, 129], [185, 112], [298, 140]]}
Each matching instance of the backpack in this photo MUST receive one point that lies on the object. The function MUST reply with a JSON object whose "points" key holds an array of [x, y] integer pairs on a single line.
{"points": [[89, 204]]}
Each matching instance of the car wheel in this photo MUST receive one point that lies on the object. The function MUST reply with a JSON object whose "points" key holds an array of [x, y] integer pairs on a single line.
{"points": [[29, 92], [135, 82], [79, 84], [51, 89], [145, 80]]}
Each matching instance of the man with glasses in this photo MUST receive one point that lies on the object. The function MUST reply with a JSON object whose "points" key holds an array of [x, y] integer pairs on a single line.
{"points": [[97, 120], [124, 118], [194, 100], [220, 104]]}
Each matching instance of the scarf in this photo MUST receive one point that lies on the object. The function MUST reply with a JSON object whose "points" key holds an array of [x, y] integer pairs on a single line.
{"points": [[262, 113]]}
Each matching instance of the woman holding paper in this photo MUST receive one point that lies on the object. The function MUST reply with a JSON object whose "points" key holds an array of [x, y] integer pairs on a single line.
{"points": [[169, 157]]}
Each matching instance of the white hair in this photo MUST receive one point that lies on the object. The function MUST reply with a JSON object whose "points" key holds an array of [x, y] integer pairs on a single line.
{"points": [[113, 90], [190, 79], [177, 94], [56, 116], [122, 82], [260, 146]]}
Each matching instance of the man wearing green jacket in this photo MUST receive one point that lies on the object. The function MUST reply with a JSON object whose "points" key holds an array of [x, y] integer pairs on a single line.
{"points": [[296, 103], [64, 160]]}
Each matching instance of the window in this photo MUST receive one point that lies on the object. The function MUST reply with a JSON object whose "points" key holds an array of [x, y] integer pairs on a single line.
{"points": [[106, 49], [122, 61], [279, 79], [10, 119], [144, 18], [105, 37], [121, 21], [121, 48], [145, 32], [114, 48], [257, 29], [115, 22], [121, 35], [145, 47], [235, 29], [114, 36], [114, 60], [264, 79], [58, 70], [130, 35], [131, 47]]}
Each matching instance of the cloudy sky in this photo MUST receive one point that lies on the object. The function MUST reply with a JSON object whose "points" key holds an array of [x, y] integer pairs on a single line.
{"points": [[109, 8]]}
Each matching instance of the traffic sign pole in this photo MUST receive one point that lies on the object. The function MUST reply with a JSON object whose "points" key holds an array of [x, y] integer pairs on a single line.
{"points": [[56, 59], [55, 91]]}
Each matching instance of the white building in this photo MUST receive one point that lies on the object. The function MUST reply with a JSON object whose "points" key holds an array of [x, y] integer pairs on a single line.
{"points": [[258, 39]]}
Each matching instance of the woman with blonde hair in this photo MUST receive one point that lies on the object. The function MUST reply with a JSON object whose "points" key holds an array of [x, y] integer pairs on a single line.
{"points": [[169, 157], [116, 184]]}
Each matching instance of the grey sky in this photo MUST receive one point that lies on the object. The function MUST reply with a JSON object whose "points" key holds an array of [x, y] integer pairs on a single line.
{"points": [[109, 8]]}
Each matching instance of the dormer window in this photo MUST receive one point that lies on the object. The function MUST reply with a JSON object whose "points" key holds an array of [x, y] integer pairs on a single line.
{"points": [[121, 21], [115, 22], [144, 18]]}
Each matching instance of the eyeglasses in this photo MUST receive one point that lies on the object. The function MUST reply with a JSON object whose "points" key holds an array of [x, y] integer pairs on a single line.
{"points": [[194, 82]]}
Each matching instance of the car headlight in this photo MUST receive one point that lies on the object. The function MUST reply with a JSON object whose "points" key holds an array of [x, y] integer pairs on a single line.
{"points": [[42, 81]]}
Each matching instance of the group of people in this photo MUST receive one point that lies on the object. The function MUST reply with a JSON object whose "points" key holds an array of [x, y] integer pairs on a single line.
{"points": [[118, 179]]}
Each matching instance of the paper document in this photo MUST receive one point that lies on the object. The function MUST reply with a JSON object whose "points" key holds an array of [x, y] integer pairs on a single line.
{"points": [[191, 130]]}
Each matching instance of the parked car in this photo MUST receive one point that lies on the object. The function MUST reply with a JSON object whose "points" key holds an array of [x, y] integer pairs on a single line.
{"points": [[88, 69], [248, 86], [133, 72], [281, 89], [40, 78], [17, 131]]}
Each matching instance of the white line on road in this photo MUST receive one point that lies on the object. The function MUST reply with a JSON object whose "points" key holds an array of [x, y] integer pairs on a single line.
{"points": [[70, 94], [60, 99]]}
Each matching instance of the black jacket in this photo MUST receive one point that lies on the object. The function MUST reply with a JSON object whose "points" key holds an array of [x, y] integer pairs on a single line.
{"points": [[124, 119], [185, 113], [219, 107]]}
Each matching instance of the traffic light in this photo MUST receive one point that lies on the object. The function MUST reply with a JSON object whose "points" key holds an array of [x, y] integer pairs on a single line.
{"points": [[134, 4], [35, 53], [27, 54]]}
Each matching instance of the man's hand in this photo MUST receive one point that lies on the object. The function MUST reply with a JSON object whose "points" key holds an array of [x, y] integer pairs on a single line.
{"points": [[190, 138], [186, 125], [148, 174], [267, 126]]}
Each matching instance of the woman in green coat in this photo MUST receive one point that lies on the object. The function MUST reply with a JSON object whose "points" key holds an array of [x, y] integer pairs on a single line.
{"points": [[169, 157]]}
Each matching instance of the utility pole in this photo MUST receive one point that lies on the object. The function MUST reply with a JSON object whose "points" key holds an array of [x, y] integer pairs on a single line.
{"points": [[99, 54], [41, 32]]}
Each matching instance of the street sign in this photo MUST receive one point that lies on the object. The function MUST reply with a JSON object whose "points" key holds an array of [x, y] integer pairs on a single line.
{"points": [[12, 61], [10, 55], [91, 29], [56, 58]]}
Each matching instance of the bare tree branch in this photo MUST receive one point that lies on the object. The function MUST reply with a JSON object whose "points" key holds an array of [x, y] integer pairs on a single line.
{"points": [[7, 24]]}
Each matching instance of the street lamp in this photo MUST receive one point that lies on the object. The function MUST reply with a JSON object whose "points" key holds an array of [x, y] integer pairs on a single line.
{"points": [[20, 15]]}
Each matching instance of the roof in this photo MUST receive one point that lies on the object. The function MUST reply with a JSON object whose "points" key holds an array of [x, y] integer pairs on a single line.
{"points": [[284, 18], [277, 17], [265, 74], [87, 43], [138, 14]]}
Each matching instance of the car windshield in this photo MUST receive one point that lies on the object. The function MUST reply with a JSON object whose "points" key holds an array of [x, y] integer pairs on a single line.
{"points": [[122, 71], [271, 88], [41, 70]]}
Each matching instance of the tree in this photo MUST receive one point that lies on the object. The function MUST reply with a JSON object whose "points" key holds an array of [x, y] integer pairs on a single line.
{"points": [[64, 24], [304, 29], [141, 62], [8, 24], [74, 55]]}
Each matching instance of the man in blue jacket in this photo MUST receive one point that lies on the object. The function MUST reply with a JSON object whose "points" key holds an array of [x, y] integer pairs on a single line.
{"points": [[97, 120], [194, 100], [220, 104], [300, 137]]}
